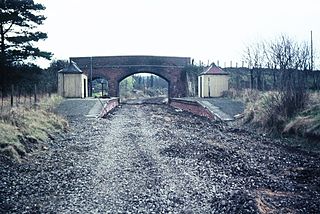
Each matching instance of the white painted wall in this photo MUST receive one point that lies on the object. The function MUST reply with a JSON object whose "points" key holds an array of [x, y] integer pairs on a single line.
{"points": [[72, 85], [212, 85]]}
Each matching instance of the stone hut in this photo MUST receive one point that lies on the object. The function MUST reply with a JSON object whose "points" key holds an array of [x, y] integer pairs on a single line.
{"points": [[72, 83], [212, 82]]}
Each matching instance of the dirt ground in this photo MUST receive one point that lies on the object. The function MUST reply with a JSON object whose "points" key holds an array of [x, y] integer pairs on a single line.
{"points": [[153, 159]]}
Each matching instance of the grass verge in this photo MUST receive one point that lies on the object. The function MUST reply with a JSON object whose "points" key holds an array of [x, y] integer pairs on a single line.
{"points": [[22, 129], [306, 124], [269, 112]]}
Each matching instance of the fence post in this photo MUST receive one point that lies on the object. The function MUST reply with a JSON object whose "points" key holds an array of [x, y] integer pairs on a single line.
{"points": [[49, 90], [251, 78], [12, 92], [25, 98], [35, 95], [30, 98], [1, 100], [318, 80], [17, 96]]}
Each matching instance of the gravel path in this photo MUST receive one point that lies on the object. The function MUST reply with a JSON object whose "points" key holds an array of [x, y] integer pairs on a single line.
{"points": [[152, 159]]}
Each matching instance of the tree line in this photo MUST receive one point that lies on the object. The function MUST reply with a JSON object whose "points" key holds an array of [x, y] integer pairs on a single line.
{"points": [[143, 82], [19, 34]]}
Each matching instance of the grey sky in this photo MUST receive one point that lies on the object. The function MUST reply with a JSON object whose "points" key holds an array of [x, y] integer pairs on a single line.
{"points": [[202, 29]]}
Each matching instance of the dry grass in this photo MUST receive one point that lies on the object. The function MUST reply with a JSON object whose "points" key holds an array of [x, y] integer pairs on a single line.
{"points": [[21, 124], [266, 110], [272, 112], [35, 123], [263, 206], [265, 196], [9, 141], [306, 124]]}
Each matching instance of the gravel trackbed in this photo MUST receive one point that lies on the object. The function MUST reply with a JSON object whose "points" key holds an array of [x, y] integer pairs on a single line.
{"points": [[153, 159]]}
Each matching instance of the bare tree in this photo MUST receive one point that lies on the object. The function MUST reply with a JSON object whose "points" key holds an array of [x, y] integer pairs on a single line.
{"points": [[302, 60], [255, 55], [289, 60], [285, 53], [255, 58]]}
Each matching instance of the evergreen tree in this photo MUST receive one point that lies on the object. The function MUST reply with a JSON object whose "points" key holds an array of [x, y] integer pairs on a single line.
{"points": [[50, 75], [18, 22]]}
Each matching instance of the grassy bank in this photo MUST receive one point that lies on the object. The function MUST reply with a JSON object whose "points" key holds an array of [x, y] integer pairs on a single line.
{"points": [[307, 122], [23, 129], [269, 112]]}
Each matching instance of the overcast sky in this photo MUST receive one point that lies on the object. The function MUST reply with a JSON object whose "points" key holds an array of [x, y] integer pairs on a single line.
{"points": [[200, 29]]}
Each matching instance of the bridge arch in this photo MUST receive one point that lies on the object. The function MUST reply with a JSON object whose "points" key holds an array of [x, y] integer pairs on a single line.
{"points": [[99, 85], [145, 72], [128, 74], [117, 68], [143, 85]]}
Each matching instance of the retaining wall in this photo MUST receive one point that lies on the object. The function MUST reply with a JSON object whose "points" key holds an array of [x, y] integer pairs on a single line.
{"points": [[193, 107], [109, 106]]}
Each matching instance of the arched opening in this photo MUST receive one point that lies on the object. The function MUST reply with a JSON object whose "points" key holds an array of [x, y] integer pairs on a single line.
{"points": [[100, 87], [143, 88]]}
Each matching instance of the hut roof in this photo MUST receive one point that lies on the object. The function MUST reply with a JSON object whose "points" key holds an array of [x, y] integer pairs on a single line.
{"points": [[71, 69], [214, 70]]}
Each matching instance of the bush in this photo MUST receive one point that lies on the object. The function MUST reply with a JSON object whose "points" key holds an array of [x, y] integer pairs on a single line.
{"points": [[272, 110], [266, 111]]}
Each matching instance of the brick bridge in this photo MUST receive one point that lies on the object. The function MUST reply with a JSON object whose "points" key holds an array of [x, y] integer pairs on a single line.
{"points": [[117, 68]]}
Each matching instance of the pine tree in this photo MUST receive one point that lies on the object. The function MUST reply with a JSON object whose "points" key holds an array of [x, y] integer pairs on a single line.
{"points": [[18, 22]]}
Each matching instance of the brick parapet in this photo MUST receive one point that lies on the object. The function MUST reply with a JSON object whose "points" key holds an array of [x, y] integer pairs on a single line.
{"points": [[193, 107]]}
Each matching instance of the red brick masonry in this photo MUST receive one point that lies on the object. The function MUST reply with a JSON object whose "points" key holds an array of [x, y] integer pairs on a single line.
{"points": [[109, 106], [116, 68], [193, 107]]}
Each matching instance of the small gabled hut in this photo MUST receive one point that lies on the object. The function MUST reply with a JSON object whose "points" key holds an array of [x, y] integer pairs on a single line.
{"points": [[72, 83], [212, 82]]}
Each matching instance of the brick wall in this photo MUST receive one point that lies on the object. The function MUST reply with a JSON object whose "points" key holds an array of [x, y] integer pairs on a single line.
{"points": [[193, 107], [107, 61], [109, 106]]}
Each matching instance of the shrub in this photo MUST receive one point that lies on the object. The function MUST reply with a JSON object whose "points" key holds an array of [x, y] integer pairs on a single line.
{"points": [[272, 110], [266, 111]]}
